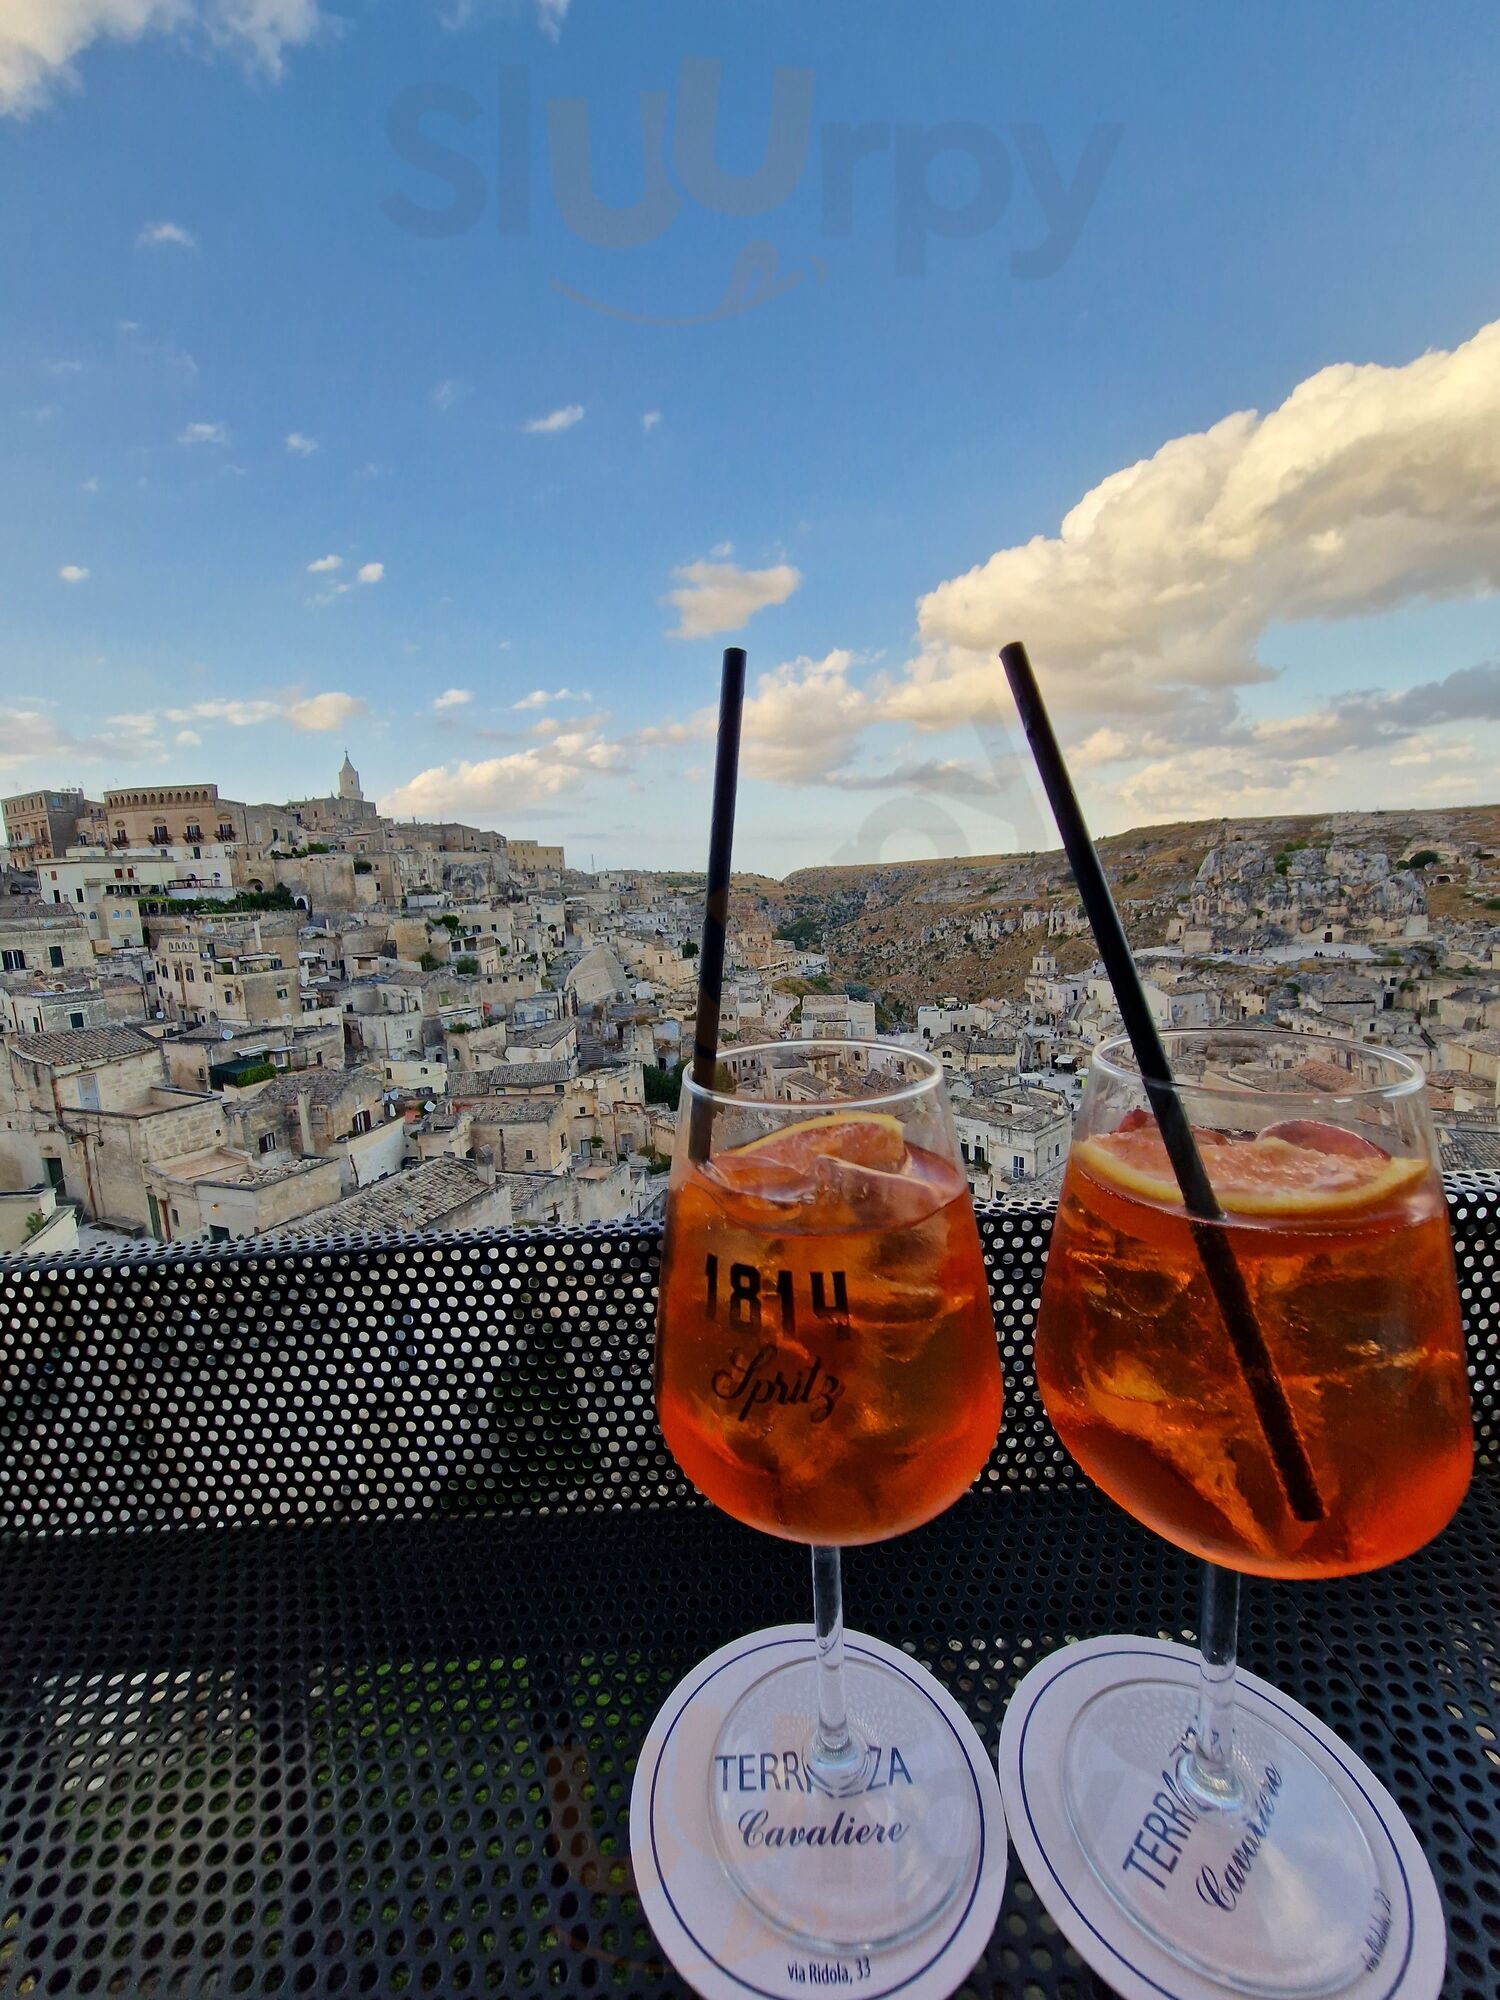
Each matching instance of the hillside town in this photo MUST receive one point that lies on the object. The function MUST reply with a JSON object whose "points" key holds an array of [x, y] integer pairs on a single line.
{"points": [[223, 1021]]}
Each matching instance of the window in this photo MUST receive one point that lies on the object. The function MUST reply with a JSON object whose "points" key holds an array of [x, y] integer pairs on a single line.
{"points": [[12, 961], [281, 993], [159, 835], [54, 954], [79, 894], [195, 832], [192, 976], [362, 1121], [268, 1142], [1018, 1166], [75, 1020], [529, 1154]]}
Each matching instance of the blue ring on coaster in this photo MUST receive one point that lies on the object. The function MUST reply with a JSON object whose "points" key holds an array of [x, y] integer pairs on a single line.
{"points": [[913, 1967], [1423, 1957]]}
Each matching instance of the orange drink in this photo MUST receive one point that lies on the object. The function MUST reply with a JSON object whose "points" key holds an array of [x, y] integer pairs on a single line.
{"points": [[827, 1368], [1345, 1252]]}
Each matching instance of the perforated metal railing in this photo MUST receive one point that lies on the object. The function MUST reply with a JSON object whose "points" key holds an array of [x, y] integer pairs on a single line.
{"points": [[338, 1588]]}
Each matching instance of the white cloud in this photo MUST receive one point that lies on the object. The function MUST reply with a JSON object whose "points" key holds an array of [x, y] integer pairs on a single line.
{"points": [[446, 394], [550, 16], [203, 434], [325, 711], [41, 39], [156, 234], [311, 712], [721, 551], [452, 698], [803, 719], [91, 485], [717, 597], [542, 698], [301, 446], [1369, 487], [62, 370], [34, 736], [555, 420], [187, 739], [324, 565], [497, 785], [650, 419], [371, 572], [72, 573]]}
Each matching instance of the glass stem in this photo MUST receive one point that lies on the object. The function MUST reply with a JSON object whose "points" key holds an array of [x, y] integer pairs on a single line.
{"points": [[1206, 1768], [836, 1754]]}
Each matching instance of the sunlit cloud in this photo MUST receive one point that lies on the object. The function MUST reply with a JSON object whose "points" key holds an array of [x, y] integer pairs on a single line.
{"points": [[490, 787], [41, 40], [73, 573], [301, 446], [718, 597], [203, 434], [451, 698], [318, 712], [544, 698]]}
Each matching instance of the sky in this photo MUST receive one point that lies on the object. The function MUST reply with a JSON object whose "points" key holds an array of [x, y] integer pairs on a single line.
{"points": [[452, 380]]}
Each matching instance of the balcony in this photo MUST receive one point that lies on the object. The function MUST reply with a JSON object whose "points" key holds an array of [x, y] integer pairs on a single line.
{"points": [[341, 1583]]}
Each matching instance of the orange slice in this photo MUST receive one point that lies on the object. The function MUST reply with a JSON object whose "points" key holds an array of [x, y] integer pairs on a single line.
{"points": [[1267, 1175], [864, 1138]]}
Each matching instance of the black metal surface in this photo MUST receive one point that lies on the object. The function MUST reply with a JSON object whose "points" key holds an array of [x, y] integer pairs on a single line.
{"points": [[392, 1753]]}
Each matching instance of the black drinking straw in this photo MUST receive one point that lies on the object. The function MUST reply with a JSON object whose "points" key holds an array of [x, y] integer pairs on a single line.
{"points": [[1274, 1412], [716, 905]]}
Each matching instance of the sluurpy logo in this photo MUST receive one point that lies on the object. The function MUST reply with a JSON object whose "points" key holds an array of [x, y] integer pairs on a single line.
{"points": [[949, 180]]}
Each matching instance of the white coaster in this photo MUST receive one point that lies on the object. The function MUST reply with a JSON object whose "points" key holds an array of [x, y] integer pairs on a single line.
{"points": [[1406, 1942], [713, 1937]]}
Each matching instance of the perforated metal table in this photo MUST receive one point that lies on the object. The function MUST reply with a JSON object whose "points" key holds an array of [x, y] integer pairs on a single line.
{"points": [[337, 1590]]}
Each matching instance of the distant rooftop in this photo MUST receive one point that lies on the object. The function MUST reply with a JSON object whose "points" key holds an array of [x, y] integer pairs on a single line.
{"points": [[417, 1199], [508, 1110], [72, 1048], [320, 1086], [1474, 1147]]}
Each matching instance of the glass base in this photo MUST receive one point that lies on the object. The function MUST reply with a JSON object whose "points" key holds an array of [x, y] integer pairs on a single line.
{"points": [[1274, 1894], [864, 1860]]}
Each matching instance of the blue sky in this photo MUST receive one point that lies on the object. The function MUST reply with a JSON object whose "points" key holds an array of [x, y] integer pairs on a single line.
{"points": [[205, 262]]}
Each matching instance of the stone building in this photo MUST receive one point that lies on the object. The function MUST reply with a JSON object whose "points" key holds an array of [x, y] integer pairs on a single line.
{"points": [[89, 1109], [224, 1194], [41, 825]]}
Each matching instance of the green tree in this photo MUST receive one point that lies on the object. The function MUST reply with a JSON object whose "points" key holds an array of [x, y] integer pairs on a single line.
{"points": [[466, 964], [663, 1086]]}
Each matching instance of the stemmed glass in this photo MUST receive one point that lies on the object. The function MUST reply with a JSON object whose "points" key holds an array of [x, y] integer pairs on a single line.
{"points": [[827, 1371], [1322, 1157]]}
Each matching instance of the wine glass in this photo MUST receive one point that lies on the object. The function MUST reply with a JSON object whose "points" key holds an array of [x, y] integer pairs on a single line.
{"points": [[1210, 1827], [827, 1371]]}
